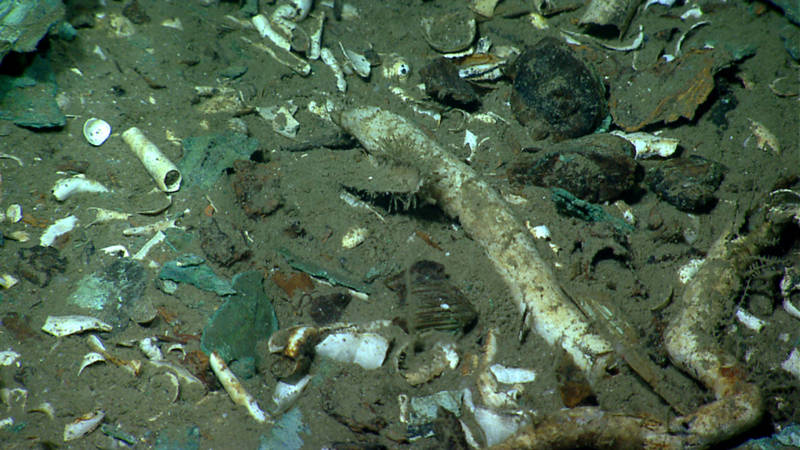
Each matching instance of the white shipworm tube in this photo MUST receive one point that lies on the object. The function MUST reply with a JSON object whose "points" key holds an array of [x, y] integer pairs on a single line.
{"points": [[163, 171], [692, 346], [235, 389], [486, 218]]}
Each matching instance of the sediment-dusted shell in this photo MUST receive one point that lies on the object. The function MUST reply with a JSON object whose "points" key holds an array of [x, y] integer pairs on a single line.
{"points": [[96, 131], [434, 303], [450, 32]]}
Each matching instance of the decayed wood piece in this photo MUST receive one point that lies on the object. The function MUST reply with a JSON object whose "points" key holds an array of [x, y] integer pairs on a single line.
{"points": [[456, 188]]}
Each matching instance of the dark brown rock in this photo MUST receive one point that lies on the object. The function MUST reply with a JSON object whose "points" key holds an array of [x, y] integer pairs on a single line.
{"points": [[595, 168], [37, 264], [256, 187], [223, 242], [687, 183], [445, 86], [555, 93]]}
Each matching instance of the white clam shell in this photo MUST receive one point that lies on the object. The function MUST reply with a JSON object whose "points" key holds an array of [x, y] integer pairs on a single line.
{"points": [[96, 131], [83, 425]]}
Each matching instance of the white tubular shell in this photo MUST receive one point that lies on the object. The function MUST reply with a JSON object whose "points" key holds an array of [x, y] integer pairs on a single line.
{"points": [[459, 191], [164, 172], [235, 389]]}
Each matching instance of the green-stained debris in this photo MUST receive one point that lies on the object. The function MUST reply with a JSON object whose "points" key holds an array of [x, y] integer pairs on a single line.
{"points": [[316, 270], [285, 434], [192, 269], [117, 288], [24, 23], [572, 206], [245, 318], [29, 100], [206, 157]]}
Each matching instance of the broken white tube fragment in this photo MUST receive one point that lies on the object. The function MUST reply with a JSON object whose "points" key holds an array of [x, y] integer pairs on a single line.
{"points": [[235, 389], [164, 172]]}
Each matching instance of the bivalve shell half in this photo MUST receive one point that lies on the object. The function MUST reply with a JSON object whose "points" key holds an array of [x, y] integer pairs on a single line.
{"points": [[60, 326], [96, 131], [450, 32], [83, 425]]}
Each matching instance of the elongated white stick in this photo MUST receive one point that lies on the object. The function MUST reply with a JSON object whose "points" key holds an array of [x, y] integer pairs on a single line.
{"points": [[235, 389], [163, 171], [456, 188]]}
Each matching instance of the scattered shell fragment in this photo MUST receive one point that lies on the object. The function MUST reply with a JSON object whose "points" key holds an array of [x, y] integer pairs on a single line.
{"points": [[420, 369], [327, 57], [96, 131], [14, 213], [483, 7], [396, 67], [235, 389], [58, 228], [357, 62], [315, 40], [60, 326], [8, 357], [164, 172], [354, 237], [174, 23], [512, 375], [285, 393], [284, 123], [750, 321], [452, 32], [649, 145], [266, 31], [792, 363], [67, 187], [7, 281], [368, 350], [765, 139], [150, 349], [45, 408], [83, 425], [19, 236], [14, 397], [688, 270], [89, 359]]}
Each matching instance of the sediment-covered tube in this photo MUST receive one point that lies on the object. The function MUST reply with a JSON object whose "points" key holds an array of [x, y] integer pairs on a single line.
{"points": [[164, 172]]}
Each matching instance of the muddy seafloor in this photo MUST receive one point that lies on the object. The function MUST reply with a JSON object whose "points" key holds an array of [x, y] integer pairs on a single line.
{"points": [[148, 80]]}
